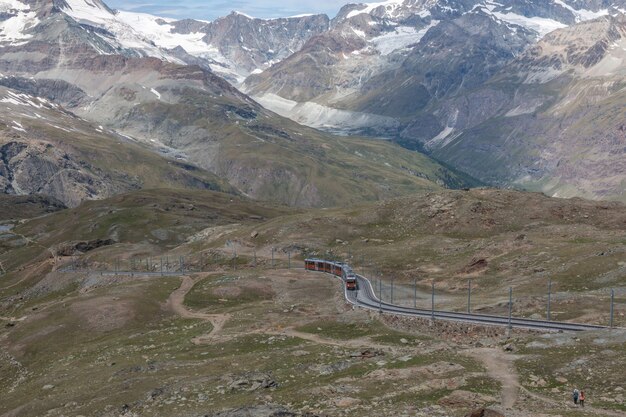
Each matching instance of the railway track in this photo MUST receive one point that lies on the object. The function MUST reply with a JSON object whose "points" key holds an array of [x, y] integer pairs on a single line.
{"points": [[365, 297]]}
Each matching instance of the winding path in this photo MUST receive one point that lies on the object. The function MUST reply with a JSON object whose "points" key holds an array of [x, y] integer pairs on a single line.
{"points": [[176, 303], [500, 367]]}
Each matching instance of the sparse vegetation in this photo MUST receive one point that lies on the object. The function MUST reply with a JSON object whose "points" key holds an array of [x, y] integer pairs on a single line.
{"points": [[288, 330]]}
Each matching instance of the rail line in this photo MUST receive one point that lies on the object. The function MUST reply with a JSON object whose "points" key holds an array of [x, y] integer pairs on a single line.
{"points": [[365, 297]]}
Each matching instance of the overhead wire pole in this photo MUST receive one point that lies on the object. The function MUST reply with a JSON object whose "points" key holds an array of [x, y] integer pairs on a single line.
{"points": [[510, 307], [549, 298], [469, 296], [432, 302], [612, 308], [392, 278], [380, 295], [415, 293]]}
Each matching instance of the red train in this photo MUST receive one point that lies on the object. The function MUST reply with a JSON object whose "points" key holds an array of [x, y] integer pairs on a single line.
{"points": [[339, 269]]}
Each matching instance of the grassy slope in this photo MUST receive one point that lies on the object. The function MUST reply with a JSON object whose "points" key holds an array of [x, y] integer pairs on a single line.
{"points": [[125, 164], [130, 344], [272, 158]]}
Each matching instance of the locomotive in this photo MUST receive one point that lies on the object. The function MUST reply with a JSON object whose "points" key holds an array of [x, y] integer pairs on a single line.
{"points": [[338, 269]]}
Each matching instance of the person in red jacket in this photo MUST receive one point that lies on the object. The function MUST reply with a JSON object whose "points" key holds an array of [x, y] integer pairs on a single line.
{"points": [[581, 399]]}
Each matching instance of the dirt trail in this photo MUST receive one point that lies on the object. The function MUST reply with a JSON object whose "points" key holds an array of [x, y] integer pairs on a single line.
{"points": [[500, 367], [364, 342], [176, 302]]}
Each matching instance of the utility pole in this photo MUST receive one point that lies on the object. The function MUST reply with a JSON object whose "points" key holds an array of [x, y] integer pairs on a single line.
{"points": [[549, 297], [392, 290], [380, 293], [469, 296], [432, 302], [612, 307], [161, 266], [510, 307], [415, 293], [289, 259]]}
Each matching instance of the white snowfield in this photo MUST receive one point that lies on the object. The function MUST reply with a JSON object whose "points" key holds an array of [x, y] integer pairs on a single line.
{"points": [[148, 34], [401, 38], [14, 29], [389, 5], [19, 99]]}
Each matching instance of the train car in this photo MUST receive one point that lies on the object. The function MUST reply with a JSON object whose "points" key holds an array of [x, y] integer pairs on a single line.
{"points": [[309, 264], [338, 269], [350, 279]]}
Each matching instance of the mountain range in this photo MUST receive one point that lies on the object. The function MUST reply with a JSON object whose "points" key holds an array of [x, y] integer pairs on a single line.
{"points": [[94, 73], [517, 93]]}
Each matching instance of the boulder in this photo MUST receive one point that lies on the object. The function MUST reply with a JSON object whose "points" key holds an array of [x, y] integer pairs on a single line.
{"points": [[484, 412]]}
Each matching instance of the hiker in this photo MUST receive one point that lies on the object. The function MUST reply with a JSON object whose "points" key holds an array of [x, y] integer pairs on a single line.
{"points": [[575, 395], [581, 399]]}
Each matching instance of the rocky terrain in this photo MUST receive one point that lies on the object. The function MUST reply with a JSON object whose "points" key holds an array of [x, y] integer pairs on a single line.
{"points": [[560, 106], [49, 151], [77, 60], [265, 339]]}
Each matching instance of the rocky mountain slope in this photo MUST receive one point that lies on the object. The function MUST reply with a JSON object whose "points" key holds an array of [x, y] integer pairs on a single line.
{"points": [[553, 121], [395, 44], [425, 74], [104, 75], [233, 46], [46, 150]]}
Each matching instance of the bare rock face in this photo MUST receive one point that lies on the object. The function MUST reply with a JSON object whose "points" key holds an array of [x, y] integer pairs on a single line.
{"points": [[76, 248], [254, 44], [42, 168]]}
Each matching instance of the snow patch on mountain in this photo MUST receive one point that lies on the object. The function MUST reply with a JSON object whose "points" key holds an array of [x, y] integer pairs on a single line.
{"points": [[12, 5], [152, 36], [582, 15], [389, 5], [322, 117], [159, 30], [13, 30], [401, 38], [96, 14], [19, 99], [541, 25]]}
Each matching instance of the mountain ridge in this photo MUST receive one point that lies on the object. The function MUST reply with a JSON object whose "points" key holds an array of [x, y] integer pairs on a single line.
{"points": [[189, 115]]}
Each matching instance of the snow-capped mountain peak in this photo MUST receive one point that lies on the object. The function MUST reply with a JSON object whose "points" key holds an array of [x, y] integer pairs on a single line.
{"points": [[388, 7]]}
